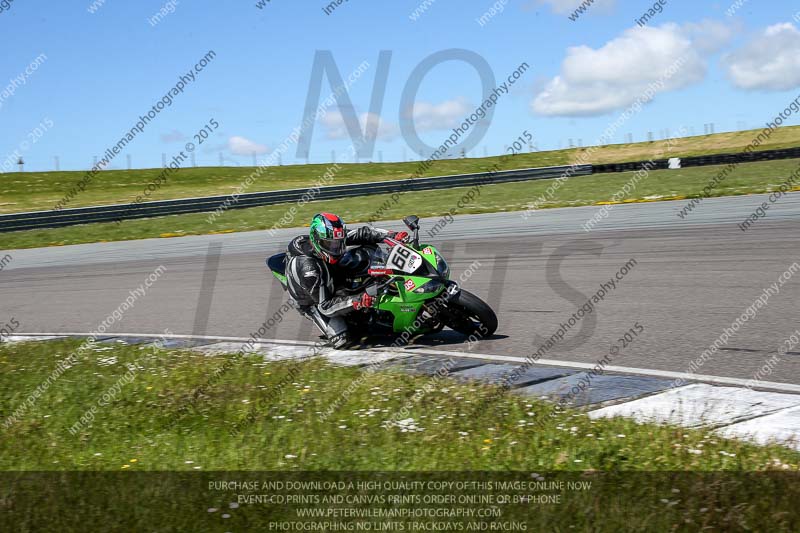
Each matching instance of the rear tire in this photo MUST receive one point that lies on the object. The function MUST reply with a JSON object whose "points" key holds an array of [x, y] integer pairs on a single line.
{"points": [[469, 315]]}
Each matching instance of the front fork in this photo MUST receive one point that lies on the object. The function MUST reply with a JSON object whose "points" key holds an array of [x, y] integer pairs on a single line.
{"points": [[452, 289], [433, 309]]}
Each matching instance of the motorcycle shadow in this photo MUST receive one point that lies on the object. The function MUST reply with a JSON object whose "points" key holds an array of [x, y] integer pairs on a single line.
{"points": [[443, 338]]}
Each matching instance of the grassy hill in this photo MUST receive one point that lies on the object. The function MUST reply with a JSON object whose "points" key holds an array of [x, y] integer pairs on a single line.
{"points": [[34, 191]]}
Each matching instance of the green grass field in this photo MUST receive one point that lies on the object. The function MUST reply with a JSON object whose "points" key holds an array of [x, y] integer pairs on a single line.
{"points": [[748, 178], [34, 191], [144, 427], [288, 432]]}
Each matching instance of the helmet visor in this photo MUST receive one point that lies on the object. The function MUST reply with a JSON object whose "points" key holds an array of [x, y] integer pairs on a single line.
{"points": [[334, 247]]}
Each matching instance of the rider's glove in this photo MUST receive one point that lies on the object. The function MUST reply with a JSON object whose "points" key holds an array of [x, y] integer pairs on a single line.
{"points": [[401, 236], [364, 302]]}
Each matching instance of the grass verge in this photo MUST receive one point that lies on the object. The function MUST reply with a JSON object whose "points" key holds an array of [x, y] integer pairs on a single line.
{"points": [[749, 178], [146, 463], [138, 422]]}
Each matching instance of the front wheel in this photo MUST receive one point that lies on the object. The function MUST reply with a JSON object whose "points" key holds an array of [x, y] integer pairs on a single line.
{"points": [[469, 315]]}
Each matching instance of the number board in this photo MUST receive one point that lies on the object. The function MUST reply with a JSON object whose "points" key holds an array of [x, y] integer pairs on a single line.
{"points": [[404, 259]]}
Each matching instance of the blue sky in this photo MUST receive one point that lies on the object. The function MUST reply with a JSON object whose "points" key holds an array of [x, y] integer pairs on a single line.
{"points": [[104, 69]]}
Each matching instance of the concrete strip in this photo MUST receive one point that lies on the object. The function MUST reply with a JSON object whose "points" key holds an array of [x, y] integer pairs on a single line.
{"points": [[270, 351], [126, 340], [701, 405], [429, 366], [154, 336], [360, 358], [179, 344], [684, 376], [601, 389], [781, 427], [279, 352], [495, 374], [32, 338]]}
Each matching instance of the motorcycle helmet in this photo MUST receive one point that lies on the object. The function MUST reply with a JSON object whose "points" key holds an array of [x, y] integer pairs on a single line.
{"points": [[328, 235]]}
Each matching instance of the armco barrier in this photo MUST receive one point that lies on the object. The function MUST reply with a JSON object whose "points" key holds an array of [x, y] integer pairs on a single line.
{"points": [[110, 213], [703, 160]]}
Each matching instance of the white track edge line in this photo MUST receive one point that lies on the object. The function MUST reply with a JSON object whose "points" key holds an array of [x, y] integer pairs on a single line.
{"points": [[685, 376], [719, 380]]}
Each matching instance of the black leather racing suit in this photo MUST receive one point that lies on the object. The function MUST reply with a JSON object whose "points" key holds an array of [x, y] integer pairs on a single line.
{"points": [[312, 283]]}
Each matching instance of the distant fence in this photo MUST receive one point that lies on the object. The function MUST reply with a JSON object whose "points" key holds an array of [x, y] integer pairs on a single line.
{"points": [[112, 213]]}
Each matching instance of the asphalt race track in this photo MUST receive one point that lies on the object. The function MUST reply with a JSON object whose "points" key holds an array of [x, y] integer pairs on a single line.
{"points": [[691, 280]]}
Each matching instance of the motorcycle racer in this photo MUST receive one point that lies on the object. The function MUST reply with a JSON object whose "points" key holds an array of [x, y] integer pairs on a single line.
{"points": [[315, 262]]}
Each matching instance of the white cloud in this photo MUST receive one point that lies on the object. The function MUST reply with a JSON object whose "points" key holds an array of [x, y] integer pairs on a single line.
{"points": [[442, 116], [770, 61], [614, 76], [335, 127], [709, 36], [427, 117], [567, 7], [242, 146]]}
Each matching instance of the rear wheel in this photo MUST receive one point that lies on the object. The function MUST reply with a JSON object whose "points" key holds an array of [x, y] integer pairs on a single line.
{"points": [[469, 315]]}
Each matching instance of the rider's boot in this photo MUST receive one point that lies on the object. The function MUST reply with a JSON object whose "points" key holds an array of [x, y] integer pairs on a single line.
{"points": [[333, 328]]}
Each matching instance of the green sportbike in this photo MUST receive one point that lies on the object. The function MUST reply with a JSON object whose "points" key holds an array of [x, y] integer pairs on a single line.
{"points": [[413, 290]]}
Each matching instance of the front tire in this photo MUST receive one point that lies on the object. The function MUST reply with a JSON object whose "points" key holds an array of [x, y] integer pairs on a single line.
{"points": [[469, 315]]}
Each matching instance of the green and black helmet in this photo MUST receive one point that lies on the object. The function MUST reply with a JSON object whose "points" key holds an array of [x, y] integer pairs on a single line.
{"points": [[328, 236]]}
